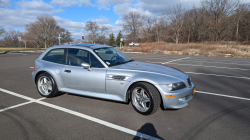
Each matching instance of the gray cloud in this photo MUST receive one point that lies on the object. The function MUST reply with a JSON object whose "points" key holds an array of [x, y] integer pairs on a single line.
{"points": [[69, 3], [101, 20]]}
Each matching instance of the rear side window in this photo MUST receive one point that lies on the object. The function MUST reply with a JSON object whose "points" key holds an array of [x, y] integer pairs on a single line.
{"points": [[56, 56]]}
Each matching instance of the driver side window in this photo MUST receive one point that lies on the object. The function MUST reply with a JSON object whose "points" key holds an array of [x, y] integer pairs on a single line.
{"points": [[75, 57], [95, 62]]}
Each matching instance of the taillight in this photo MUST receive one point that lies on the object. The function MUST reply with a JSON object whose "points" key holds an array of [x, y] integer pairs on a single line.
{"points": [[34, 68]]}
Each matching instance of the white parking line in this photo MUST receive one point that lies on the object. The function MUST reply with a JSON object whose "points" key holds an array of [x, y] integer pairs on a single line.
{"points": [[200, 60], [108, 124], [223, 95], [229, 76], [219, 62], [208, 66], [15, 106], [32, 67], [175, 60]]}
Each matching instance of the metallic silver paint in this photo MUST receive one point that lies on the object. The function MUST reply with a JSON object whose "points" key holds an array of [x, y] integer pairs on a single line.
{"points": [[96, 84], [86, 65]]}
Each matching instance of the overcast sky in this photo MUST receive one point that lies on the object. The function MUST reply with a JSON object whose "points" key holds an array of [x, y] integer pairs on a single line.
{"points": [[73, 14]]}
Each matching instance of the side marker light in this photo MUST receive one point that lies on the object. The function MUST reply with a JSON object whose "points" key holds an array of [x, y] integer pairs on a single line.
{"points": [[169, 95]]}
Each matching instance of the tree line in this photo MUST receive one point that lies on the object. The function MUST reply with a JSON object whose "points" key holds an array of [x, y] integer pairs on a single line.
{"points": [[42, 33], [215, 20]]}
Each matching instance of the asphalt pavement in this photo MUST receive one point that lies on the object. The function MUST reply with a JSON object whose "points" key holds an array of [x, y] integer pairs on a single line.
{"points": [[220, 109]]}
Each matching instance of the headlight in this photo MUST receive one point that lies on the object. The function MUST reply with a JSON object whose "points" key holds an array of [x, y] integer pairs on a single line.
{"points": [[176, 86]]}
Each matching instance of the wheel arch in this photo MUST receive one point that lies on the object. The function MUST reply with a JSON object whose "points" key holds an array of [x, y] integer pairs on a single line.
{"points": [[41, 72]]}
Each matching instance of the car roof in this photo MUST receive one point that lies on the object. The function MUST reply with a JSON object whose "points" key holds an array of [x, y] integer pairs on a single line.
{"points": [[90, 46]]}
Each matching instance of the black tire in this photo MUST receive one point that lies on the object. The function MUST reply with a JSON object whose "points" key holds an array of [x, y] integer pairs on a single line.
{"points": [[53, 92], [154, 96]]}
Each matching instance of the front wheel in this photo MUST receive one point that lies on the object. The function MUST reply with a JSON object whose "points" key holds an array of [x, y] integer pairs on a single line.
{"points": [[145, 98], [46, 85]]}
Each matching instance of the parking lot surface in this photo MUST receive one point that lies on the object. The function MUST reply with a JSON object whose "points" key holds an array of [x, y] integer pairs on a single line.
{"points": [[219, 110]]}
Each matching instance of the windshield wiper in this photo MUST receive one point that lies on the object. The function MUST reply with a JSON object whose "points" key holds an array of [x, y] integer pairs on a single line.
{"points": [[118, 63], [129, 61]]}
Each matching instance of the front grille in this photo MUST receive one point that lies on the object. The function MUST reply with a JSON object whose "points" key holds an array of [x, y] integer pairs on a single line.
{"points": [[189, 81]]}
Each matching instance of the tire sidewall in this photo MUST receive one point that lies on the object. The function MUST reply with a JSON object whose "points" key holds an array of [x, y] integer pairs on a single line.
{"points": [[54, 87]]}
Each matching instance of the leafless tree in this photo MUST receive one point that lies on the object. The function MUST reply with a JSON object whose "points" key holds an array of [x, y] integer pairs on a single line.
{"points": [[104, 31], [1, 30], [43, 30], [26, 37], [92, 28], [11, 38], [241, 11], [175, 16], [147, 30], [133, 22], [218, 13], [65, 38]]}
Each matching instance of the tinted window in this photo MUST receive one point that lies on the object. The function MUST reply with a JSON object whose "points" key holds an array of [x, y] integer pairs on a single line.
{"points": [[75, 57], [112, 56], [95, 62], [56, 56]]}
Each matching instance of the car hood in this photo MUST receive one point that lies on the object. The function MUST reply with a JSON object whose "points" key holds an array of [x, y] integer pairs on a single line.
{"points": [[152, 68]]}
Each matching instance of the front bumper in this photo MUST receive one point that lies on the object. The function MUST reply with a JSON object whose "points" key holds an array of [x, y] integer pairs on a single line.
{"points": [[181, 96]]}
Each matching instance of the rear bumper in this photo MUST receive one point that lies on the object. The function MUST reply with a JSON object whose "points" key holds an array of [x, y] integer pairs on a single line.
{"points": [[181, 99], [33, 75]]}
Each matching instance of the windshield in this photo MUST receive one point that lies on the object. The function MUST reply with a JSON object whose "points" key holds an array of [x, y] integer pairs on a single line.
{"points": [[112, 56]]}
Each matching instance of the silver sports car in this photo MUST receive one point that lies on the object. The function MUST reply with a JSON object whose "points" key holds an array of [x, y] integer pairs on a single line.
{"points": [[102, 71]]}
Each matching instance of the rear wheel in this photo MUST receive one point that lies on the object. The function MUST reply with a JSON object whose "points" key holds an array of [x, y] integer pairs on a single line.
{"points": [[46, 85], [145, 98]]}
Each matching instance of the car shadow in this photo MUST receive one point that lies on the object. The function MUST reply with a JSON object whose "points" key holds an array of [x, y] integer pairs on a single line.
{"points": [[59, 94], [147, 129]]}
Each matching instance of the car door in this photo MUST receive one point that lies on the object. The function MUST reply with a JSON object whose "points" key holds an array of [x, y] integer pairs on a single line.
{"points": [[79, 78]]}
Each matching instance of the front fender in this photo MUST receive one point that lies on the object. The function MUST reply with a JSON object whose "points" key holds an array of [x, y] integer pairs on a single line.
{"points": [[139, 76]]}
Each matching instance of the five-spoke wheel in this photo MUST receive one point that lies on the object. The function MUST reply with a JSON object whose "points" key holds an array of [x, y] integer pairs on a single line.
{"points": [[46, 85], [145, 98], [141, 99]]}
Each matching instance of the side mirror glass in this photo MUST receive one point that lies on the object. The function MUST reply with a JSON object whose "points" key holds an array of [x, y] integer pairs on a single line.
{"points": [[86, 65]]}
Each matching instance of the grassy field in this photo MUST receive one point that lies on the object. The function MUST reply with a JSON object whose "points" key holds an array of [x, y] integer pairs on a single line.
{"points": [[213, 49], [19, 49]]}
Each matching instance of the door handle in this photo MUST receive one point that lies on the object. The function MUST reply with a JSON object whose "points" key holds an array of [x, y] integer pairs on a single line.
{"points": [[68, 71]]}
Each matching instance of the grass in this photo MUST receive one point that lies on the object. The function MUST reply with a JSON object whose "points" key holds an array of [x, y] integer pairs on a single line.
{"points": [[19, 49], [236, 49]]}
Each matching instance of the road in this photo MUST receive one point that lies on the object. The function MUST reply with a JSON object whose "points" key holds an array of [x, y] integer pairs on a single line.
{"points": [[219, 110]]}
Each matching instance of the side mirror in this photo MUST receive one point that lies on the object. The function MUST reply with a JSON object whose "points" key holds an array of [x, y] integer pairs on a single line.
{"points": [[86, 65]]}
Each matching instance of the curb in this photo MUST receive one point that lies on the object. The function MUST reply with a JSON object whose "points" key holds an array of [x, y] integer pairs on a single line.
{"points": [[135, 52], [4, 52]]}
